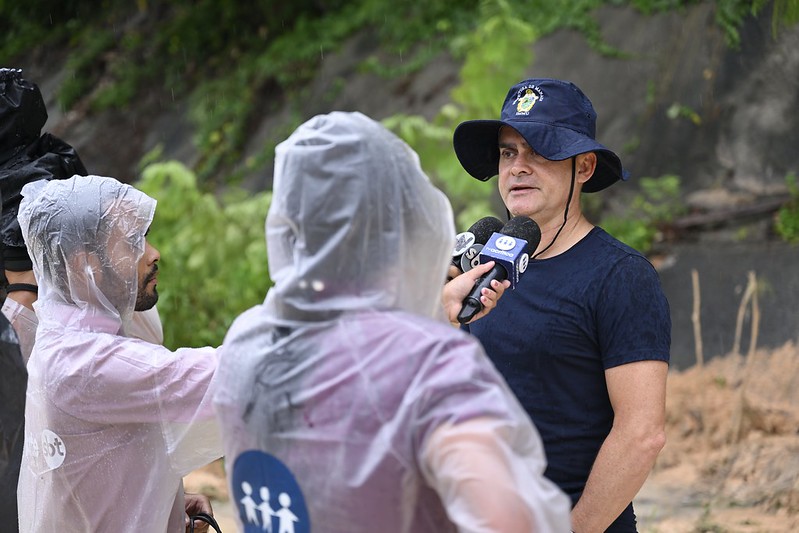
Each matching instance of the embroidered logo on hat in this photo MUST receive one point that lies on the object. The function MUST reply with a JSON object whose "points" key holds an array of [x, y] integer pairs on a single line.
{"points": [[526, 99]]}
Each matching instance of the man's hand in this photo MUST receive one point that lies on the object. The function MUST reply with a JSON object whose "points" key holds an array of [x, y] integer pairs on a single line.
{"points": [[459, 287], [197, 503]]}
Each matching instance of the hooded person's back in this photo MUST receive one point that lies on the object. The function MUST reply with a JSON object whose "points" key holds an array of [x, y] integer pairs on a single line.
{"points": [[331, 393], [112, 423]]}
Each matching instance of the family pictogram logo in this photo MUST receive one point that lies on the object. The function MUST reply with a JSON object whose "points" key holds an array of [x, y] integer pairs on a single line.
{"points": [[267, 495]]}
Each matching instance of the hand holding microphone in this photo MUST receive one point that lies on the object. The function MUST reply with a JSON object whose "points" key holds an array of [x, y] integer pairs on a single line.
{"points": [[510, 249], [456, 289]]}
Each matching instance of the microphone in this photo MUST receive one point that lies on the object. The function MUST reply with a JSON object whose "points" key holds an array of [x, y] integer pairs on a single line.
{"points": [[510, 249], [469, 243]]}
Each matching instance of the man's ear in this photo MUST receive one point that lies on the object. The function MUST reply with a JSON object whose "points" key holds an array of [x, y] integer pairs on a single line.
{"points": [[585, 166]]}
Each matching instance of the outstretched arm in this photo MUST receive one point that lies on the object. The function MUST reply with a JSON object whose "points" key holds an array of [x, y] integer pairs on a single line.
{"points": [[490, 477]]}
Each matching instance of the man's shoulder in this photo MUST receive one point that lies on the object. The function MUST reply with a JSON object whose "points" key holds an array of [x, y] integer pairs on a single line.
{"points": [[605, 255], [613, 245]]}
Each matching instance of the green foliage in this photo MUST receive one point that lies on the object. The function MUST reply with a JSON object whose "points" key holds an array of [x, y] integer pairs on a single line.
{"points": [[676, 111], [223, 108], [496, 56], [27, 24], [787, 222], [786, 13], [433, 143], [657, 203], [228, 55], [213, 255], [231, 58], [649, 7], [405, 47], [84, 66], [731, 15]]}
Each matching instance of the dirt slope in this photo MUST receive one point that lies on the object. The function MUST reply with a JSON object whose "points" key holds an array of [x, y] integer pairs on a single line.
{"points": [[731, 463]]}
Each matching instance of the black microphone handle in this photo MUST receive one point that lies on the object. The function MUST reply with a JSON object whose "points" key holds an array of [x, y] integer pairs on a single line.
{"points": [[472, 304]]}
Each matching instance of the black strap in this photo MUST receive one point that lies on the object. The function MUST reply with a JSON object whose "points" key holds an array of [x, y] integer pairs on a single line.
{"points": [[566, 212], [204, 517], [30, 287]]}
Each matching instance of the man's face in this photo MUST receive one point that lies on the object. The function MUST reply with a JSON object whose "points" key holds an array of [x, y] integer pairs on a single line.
{"points": [[530, 184], [147, 295]]}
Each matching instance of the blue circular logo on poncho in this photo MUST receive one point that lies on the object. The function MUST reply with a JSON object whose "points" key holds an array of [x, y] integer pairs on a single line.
{"points": [[267, 495]]}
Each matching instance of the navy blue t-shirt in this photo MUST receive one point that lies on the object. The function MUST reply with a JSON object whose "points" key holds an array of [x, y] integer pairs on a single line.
{"points": [[571, 317]]}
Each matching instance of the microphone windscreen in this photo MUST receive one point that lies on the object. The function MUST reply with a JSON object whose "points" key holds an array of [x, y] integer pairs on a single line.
{"points": [[484, 228], [522, 227], [473, 239]]}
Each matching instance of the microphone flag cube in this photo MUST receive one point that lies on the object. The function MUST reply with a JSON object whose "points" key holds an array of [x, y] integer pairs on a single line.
{"points": [[508, 252]]}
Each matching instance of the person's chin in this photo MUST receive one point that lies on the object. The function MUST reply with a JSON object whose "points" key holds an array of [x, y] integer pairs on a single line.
{"points": [[517, 209], [148, 302]]}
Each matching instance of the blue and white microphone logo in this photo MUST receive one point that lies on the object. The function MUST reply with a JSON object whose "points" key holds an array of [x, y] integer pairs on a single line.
{"points": [[509, 252], [505, 242]]}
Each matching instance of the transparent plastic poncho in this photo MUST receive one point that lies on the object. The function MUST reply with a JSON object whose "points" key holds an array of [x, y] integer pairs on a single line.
{"points": [[112, 423], [347, 403]]}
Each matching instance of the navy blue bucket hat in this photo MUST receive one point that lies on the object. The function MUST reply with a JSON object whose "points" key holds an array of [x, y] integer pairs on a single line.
{"points": [[555, 118]]}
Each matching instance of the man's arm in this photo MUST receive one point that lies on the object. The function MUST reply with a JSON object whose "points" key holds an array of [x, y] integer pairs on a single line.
{"points": [[638, 395]]}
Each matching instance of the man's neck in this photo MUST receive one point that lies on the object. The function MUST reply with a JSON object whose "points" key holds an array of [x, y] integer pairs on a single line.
{"points": [[575, 229]]}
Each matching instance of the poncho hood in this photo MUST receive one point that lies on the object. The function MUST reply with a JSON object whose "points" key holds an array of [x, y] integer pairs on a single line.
{"points": [[85, 236], [354, 224]]}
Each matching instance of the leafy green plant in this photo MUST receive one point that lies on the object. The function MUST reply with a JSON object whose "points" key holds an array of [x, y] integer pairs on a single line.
{"points": [[213, 254], [232, 58], [657, 203], [731, 15], [787, 222], [85, 66], [495, 57], [676, 111]]}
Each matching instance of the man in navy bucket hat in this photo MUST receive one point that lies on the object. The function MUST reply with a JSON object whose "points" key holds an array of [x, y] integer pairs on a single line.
{"points": [[562, 126], [584, 339]]}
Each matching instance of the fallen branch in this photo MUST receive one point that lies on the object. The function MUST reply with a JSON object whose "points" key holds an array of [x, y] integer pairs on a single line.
{"points": [[725, 216]]}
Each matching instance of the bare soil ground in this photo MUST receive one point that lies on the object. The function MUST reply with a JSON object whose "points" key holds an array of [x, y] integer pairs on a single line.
{"points": [[731, 463]]}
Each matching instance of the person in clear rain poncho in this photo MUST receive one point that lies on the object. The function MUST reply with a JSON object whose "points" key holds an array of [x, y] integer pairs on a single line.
{"points": [[347, 402], [28, 155], [112, 423]]}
